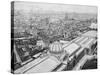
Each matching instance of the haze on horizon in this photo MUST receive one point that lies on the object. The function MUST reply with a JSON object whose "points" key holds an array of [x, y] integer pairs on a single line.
{"points": [[53, 8]]}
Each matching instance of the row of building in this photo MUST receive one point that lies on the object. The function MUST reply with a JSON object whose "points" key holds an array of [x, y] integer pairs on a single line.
{"points": [[63, 55]]}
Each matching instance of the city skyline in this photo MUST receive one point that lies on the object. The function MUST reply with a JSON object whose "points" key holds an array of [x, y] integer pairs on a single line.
{"points": [[53, 8]]}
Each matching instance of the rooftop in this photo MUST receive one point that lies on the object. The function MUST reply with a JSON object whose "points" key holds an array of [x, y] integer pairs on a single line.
{"points": [[90, 34]]}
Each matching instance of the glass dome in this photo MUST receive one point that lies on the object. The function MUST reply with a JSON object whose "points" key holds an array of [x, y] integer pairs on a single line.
{"points": [[56, 47]]}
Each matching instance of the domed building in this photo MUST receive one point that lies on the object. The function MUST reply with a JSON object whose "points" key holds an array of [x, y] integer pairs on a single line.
{"points": [[41, 43], [56, 48]]}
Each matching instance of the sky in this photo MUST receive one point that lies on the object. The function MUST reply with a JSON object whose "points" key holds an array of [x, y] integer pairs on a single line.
{"points": [[53, 8]]}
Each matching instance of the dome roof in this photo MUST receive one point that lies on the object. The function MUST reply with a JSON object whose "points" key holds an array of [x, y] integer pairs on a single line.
{"points": [[56, 47], [94, 26], [41, 43]]}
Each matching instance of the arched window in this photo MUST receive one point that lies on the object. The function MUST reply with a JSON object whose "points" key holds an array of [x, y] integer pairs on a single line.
{"points": [[86, 50]]}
